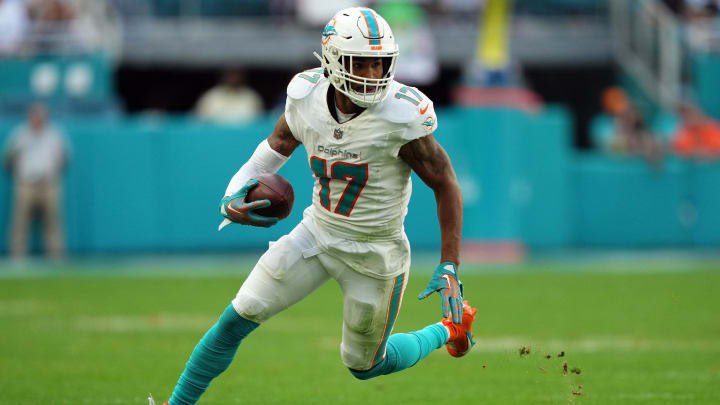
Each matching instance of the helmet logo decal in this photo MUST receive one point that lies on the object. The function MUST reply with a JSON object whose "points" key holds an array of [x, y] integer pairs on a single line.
{"points": [[329, 31], [372, 26]]}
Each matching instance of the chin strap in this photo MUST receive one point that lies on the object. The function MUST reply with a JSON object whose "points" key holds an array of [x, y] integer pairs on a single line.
{"points": [[322, 62]]}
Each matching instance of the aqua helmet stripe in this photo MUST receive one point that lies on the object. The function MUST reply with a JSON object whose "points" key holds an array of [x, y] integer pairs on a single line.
{"points": [[372, 27]]}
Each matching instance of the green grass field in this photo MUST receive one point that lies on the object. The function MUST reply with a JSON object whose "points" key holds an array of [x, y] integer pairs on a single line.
{"points": [[643, 333]]}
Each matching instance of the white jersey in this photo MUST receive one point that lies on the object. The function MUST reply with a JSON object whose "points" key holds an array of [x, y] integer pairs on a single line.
{"points": [[362, 187]]}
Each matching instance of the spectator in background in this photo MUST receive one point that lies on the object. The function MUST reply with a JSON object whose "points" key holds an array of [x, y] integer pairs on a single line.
{"points": [[698, 135], [409, 23], [67, 25], [13, 26], [51, 25], [36, 154], [230, 102], [630, 134]]}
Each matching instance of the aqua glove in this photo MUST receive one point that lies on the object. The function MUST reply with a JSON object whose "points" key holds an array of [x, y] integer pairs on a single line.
{"points": [[234, 208], [445, 281]]}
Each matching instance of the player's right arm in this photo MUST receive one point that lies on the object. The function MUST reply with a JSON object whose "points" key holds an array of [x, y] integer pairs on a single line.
{"points": [[432, 164], [282, 139], [268, 157]]}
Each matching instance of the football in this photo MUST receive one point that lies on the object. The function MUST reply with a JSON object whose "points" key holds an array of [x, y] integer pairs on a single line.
{"points": [[275, 188]]}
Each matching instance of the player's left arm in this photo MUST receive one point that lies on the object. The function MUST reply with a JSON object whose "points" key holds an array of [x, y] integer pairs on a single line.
{"points": [[432, 164]]}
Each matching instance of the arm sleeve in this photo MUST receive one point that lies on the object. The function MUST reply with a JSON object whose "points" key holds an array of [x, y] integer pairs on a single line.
{"points": [[292, 119], [263, 161]]}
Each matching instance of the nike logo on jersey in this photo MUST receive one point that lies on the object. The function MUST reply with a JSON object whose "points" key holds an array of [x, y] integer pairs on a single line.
{"points": [[422, 110]]}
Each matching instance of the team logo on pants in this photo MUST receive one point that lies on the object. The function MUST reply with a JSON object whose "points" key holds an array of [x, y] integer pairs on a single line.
{"points": [[338, 133]]}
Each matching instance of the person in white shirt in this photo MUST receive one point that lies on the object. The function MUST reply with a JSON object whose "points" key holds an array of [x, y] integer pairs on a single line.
{"points": [[230, 102], [36, 154]]}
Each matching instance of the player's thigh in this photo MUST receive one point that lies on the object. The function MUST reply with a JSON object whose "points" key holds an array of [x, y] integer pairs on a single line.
{"points": [[370, 308], [282, 277]]}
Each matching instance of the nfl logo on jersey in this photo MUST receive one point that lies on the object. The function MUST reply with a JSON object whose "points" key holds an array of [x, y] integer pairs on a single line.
{"points": [[338, 133]]}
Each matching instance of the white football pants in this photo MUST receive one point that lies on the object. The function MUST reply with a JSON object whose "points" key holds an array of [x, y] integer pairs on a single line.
{"points": [[293, 267]]}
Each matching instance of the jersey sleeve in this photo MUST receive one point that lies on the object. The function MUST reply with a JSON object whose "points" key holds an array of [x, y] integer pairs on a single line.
{"points": [[423, 124], [413, 112], [292, 117], [301, 85]]}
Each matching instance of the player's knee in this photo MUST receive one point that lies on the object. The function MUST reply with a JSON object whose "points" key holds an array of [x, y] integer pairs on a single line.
{"points": [[250, 307], [232, 323], [359, 315]]}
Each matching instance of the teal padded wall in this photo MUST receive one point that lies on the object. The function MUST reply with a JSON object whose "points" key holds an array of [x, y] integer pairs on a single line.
{"points": [[706, 72], [153, 184], [704, 178], [622, 202], [141, 185]]}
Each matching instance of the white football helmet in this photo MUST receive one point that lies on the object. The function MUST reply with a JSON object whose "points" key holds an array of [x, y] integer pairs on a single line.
{"points": [[358, 32]]}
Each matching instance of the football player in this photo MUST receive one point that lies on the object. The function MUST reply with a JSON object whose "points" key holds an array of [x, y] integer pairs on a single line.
{"points": [[364, 133]]}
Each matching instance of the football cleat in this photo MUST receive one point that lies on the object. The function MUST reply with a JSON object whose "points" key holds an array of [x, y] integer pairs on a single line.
{"points": [[461, 338], [151, 400]]}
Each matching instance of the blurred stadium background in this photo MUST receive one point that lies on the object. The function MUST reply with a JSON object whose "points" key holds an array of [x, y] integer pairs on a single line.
{"points": [[584, 229]]}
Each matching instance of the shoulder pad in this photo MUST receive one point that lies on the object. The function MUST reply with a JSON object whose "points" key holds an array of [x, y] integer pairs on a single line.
{"points": [[405, 104], [302, 84]]}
